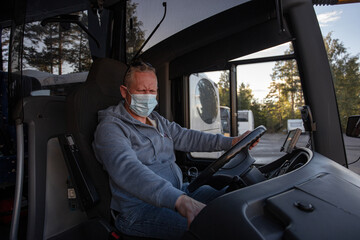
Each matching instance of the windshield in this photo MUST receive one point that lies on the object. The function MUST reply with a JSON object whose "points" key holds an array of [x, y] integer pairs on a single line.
{"points": [[143, 16]]}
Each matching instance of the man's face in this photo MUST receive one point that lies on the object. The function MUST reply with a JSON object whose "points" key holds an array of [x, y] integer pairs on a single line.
{"points": [[143, 83]]}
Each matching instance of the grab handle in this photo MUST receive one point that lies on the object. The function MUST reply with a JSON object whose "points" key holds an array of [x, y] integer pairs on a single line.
{"points": [[19, 180]]}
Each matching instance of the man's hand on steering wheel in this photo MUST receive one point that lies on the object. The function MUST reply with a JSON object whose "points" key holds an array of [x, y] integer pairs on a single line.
{"points": [[239, 138], [248, 139]]}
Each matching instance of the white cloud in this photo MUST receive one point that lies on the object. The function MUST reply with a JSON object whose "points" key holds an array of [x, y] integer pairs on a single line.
{"points": [[329, 17]]}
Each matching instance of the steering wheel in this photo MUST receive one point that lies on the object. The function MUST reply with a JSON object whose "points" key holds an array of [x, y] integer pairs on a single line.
{"points": [[209, 171]]}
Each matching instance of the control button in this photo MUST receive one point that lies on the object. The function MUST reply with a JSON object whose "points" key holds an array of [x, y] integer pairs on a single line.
{"points": [[306, 207]]}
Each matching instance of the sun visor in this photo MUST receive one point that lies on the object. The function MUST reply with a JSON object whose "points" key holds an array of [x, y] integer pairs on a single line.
{"points": [[37, 10], [12, 10]]}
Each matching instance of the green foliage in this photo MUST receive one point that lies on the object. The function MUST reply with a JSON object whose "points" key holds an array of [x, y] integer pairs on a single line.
{"points": [[346, 76], [282, 102], [245, 97], [285, 95], [224, 89], [258, 112]]}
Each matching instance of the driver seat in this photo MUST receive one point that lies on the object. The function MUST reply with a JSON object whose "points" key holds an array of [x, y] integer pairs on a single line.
{"points": [[101, 90]]}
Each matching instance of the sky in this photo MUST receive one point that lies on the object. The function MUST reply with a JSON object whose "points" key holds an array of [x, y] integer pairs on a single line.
{"points": [[342, 20], [344, 23]]}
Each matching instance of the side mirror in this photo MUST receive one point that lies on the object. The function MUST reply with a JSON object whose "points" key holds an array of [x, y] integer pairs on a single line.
{"points": [[353, 126]]}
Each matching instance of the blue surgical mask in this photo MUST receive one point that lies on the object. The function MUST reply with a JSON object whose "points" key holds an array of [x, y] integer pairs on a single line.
{"points": [[142, 104]]}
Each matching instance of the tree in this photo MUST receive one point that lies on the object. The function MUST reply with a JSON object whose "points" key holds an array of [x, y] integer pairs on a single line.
{"points": [[224, 89], [259, 113], [43, 46], [245, 97], [78, 54], [135, 37], [273, 119], [346, 75], [5, 37], [51, 46], [285, 94]]}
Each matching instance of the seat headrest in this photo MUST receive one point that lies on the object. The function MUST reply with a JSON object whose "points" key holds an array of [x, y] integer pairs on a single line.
{"points": [[108, 75]]}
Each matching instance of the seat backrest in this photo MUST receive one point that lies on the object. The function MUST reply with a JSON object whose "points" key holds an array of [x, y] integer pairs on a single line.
{"points": [[101, 90]]}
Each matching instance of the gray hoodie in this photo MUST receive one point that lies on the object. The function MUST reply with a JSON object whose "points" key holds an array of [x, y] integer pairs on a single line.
{"points": [[140, 158]]}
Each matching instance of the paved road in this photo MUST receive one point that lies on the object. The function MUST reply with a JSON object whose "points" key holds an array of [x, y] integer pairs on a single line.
{"points": [[269, 146]]}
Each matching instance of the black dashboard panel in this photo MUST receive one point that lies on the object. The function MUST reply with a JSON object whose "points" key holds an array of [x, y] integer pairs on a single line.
{"points": [[313, 210], [319, 200]]}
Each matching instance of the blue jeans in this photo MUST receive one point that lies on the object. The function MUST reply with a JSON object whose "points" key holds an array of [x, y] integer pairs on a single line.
{"points": [[162, 223]]}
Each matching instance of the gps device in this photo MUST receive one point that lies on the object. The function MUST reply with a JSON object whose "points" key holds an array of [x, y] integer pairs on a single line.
{"points": [[291, 140]]}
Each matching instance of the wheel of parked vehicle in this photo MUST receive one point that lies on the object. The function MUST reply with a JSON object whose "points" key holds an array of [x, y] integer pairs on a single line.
{"points": [[245, 143]]}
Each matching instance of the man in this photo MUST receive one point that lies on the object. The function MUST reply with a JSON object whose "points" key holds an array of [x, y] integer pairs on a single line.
{"points": [[136, 147]]}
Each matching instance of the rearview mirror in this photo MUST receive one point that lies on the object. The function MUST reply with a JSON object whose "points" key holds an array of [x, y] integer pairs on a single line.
{"points": [[353, 126]]}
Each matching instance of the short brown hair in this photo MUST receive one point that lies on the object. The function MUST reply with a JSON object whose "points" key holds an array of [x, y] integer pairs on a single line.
{"points": [[138, 66]]}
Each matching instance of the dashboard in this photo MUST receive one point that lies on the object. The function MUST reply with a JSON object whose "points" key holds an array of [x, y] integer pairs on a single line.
{"points": [[302, 195]]}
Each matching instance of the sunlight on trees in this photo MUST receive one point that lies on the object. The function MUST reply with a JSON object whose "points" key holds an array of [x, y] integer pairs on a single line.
{"points": [[285, 92], [224, 89]]}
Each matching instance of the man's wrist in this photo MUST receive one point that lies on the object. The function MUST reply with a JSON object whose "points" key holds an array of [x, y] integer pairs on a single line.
{"points": [[178, 202]]}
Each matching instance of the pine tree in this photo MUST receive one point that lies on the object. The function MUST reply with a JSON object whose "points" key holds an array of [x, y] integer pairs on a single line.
{"points": [[78, 53], [47, 48], [245, 97], [135, 37], [285, 94], [5, 36]]}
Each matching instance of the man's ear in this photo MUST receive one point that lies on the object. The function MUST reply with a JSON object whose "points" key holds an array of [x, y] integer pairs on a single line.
{"points": [[123, 91]]}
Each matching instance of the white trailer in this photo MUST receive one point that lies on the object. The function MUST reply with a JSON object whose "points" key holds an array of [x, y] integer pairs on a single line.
{"points": [[245, 119], [295, 123]]}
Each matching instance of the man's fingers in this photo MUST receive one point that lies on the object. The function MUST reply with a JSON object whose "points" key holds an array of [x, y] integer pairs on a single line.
{"points": [[188, 207], [254, 144], [241, 137], [189, 220]]}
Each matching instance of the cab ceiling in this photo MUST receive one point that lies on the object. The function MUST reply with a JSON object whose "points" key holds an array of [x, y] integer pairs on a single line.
{"points": [[210, 44], [37, 10]]}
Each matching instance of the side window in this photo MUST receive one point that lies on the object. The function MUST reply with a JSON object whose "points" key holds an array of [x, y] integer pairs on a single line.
{"points": [[346, 76], [268, 93], [56, 54], [341, 40]]}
